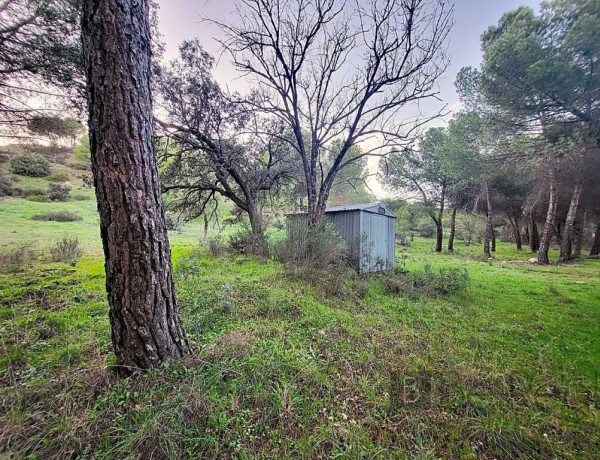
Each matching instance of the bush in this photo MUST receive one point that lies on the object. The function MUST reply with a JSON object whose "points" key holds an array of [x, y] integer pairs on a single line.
{"points": [[81, 197], [32, 165], [312, 248], [5, 184], [427, 282], [58, 192], [82, 150], [216, 247], [13, 259], [426, 230], [245, 242], [66, 250], [61, 216], [58, 177], [39, 198]]}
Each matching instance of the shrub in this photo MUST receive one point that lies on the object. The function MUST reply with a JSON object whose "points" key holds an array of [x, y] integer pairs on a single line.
{"points": [[66, 250], [58, 192], [13, 259], [5, 184], [58, 177], [427, 282], [245, 242], [82, 150], [32, 165], [37, 198], [312, 248], [216, 246], [81, 197], [426, 230], [61, 216]]}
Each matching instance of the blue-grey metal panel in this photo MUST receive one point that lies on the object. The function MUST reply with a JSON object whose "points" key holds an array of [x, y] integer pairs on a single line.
{"points": [[347, 224]]}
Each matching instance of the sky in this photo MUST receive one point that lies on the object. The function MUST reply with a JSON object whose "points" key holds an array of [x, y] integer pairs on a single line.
{"points": [[183, 19]]}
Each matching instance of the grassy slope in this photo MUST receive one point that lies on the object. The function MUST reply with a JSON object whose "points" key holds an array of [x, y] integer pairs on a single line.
{"points": [[508, 368]]}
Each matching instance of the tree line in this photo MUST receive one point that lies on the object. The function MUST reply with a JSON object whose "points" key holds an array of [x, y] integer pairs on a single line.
{"points": [[527, 143]]}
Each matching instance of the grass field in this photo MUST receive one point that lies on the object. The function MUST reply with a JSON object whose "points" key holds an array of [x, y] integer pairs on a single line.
{"points": [[506, 368]]}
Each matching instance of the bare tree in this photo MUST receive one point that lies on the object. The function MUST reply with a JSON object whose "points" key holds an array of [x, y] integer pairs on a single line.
{"points": [[146, 329], [334, 70], [216, 145]]}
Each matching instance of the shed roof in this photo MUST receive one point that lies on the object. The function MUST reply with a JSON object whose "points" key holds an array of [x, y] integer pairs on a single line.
{"points": [[373, 208]]}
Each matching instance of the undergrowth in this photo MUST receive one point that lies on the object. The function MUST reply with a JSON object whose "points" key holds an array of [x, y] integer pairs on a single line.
{"points": [[286, 369]]}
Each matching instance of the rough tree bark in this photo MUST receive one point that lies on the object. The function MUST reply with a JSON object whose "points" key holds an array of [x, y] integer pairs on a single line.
{"points": [[578, 229], [534, 234], [595, 250], [146, 329], [550, 217], [489, 227], [514, 222], [452, 230], [567, 235]]}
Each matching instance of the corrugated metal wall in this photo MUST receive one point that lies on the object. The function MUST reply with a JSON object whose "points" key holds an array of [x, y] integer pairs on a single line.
{"points": [[371, 238], [378, 250], [348, 226]]}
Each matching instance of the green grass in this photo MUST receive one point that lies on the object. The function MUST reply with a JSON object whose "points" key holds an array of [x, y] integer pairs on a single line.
{"points": [[507, 368]]}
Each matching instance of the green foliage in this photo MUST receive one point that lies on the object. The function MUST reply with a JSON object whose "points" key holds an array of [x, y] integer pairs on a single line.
{"points": [[32, 165], [82, 152], [540, 64], [60, 216], [216, 246], [58, 177], [244, 241], [37, 197], [426, 229], [414, 284], [58, 192], [67, 250]]}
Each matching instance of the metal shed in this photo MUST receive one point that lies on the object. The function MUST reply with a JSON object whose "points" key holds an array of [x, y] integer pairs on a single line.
{"points": [[369, 230]]}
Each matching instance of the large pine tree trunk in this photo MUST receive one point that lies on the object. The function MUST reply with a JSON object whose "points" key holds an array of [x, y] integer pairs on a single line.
{"points": [[567, 236], [146, 329], [489, 226], [550, 217], [595, 250], [452, 230]]}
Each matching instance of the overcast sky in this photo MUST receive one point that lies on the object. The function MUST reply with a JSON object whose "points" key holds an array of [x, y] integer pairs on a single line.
{"points": [[181, 19]]}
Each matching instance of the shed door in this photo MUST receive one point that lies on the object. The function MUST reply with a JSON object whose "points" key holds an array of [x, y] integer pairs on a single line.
{"points": [[378, 237]]}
